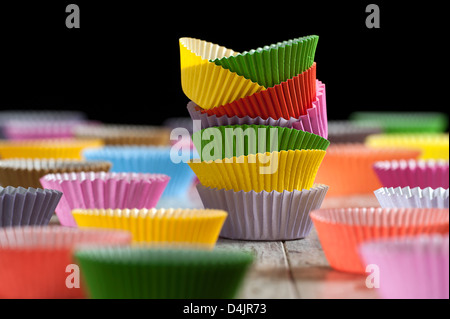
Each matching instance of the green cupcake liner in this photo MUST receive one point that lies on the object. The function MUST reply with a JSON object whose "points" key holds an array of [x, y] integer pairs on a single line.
{"points": [[238, 144], [273, 64], [157, 273], [404, 122]]}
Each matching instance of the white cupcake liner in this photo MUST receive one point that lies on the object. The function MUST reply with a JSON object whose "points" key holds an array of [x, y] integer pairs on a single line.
{"points": [[264, 215], [22, 207], [416, 197], [411, 267]]}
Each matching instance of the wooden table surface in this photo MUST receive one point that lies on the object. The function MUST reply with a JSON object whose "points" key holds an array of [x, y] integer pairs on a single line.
{"points": [[298, 269]]}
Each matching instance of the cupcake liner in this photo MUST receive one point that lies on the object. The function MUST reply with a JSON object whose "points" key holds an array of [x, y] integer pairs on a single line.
{"points": [[345, 131], [33, 260], [33, 206], [432, 146], [7, 116], [279, 171], [206, 83], [413, 173], [275, 63], [195, 226], [348, 168], [404, 122], [236, 140], [342, 230], [263, 215], [26, 172], [145, 273], [412, 267], [315, 121], [142, 159], [41, 129], [104, 190], [47, 148], [407, 197], [120, 134], [291, 98]]}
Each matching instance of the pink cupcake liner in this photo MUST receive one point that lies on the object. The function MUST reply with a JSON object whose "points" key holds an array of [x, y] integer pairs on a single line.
{"points": [[104, 190], [264, 215], [411, 267], [34, 260], [406, 197], [42, 129], [413, 173], [314, 122]]}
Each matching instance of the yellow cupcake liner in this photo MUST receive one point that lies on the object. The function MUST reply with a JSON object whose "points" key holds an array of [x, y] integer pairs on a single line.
{"points": [[206, 83], [47, 148], [271, 171], [194, 226], [432, 146]]}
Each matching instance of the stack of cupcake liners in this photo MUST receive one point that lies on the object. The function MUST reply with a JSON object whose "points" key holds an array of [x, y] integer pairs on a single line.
{"points": [[261, 135], [27, 206], [149, 159], [34, 260], [410, 267], [26, 172], [412, 197], [146, 273], [197, 227], [342, 230], [413, 173], [431, 145], [104, 190]]}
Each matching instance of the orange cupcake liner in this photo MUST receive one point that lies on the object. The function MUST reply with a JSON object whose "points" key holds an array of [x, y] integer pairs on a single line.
{"points": [[342, 230], [348, 168]]}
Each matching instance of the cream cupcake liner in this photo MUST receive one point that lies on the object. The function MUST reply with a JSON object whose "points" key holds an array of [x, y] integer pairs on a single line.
{"points": [[121, 134]]}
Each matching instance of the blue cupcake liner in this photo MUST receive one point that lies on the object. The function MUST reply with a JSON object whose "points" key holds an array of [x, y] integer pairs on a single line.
{"points": [[147, 159]]}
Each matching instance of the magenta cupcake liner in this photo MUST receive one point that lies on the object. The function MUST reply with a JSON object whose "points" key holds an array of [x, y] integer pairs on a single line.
{"points": [[411, 267], [104, 190], [314, 122], [264, 215], [416, 197], [413, 173], [22, 207]]}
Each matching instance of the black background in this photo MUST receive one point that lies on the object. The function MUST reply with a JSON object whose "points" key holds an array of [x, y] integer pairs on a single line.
{"points": [[122, 65]]}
